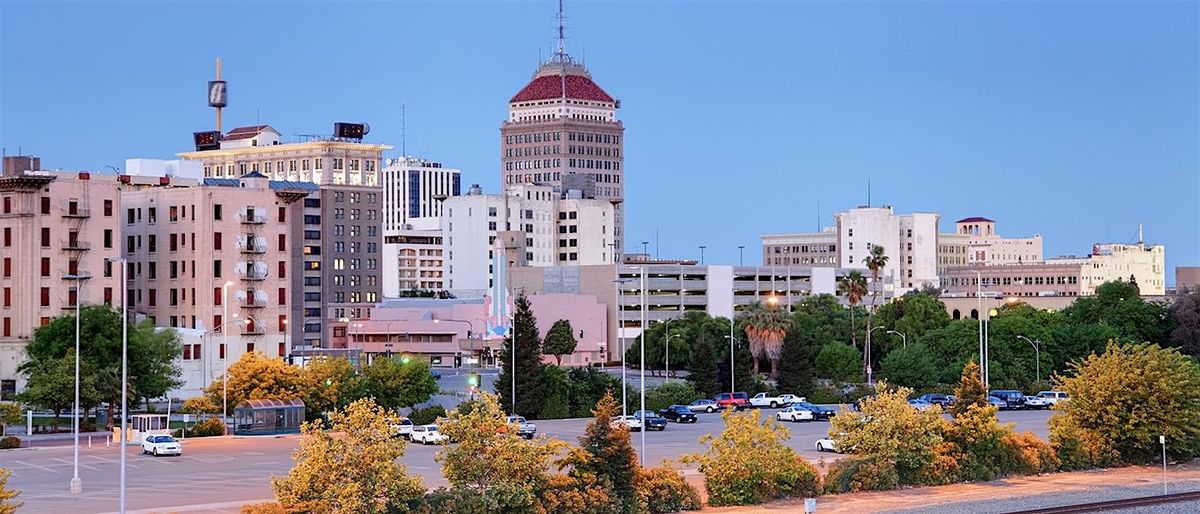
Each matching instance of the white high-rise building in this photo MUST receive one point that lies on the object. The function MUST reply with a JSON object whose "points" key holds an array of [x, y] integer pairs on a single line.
{"points": [[535, 225], [415, 188]]}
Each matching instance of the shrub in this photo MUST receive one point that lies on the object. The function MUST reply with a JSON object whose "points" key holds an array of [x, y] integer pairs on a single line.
{"points": [[890, 430], [443, 500], [556, 386], [566, 494], [824, 394], [838, 361], [1028, 455], [8, 502], [207, 428], [1124, 399], [1077, 448], [977, 442], [748, 463], [265, 508], [9, 442], [853, 474], [663, 490], [605, 456], [427, 415], [670, 393]]}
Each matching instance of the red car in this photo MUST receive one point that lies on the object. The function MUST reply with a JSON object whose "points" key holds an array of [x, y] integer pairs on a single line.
{"points": [[738, 401]]}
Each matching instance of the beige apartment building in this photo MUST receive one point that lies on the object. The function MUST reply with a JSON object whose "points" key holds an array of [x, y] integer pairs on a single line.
{"points": [[60, 234], [986, 247], [341, 243], [1010, 280], [1109, 262], [215, 258]]}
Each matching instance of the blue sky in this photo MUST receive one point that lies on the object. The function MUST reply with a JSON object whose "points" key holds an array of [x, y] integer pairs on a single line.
{"points": [[1076, 120]]}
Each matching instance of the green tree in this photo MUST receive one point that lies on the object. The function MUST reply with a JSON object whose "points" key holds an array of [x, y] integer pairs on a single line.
{"points": [[606, 455], [330, 384], [1120, 306], [560, 340], [838, 361], [952, 346], [528, 349], [702, 370], [875, 261], [854, 287], [1186, 313], [10, 414], [1126, 397], [51, 385], [970, 390], [152, 352], [556, 384], [913, 315], [356, 471], [669, 393], [765, 327], [795, 367], [588, 386], [910, 367], [256, 377], [395, 383]]}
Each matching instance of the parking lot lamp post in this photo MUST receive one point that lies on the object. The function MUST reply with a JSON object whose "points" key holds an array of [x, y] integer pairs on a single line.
{"points": [[642, 409], [1037, 352], [903, 338]]}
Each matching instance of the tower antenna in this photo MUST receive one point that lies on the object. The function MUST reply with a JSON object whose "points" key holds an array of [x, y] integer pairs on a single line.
{"points": [[562, 39], [868, 193], [403, 134]]}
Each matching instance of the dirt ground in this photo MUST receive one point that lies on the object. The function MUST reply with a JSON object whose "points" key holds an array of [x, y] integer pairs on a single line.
{"points": [[863, 503]]}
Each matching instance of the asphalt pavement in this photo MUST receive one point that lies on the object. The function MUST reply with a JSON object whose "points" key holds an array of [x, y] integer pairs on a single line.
{"points": [[221, 473]]}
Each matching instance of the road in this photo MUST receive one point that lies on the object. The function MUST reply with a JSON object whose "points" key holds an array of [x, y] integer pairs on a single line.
{"points": [[227, 471]]}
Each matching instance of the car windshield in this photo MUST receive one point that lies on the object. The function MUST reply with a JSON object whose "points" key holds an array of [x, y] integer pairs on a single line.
{"points": [[433, 428], [162, 439], [741, 395]]}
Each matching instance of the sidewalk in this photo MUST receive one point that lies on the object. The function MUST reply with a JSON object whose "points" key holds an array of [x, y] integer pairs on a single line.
{"points": [[1031, 491]]}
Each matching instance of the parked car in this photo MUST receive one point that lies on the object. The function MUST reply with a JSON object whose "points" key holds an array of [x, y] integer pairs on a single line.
{"points": [[858, 403], [427, 434], [997, 403], [1036, 402], [1015, 399], [819, 413], [825, 444], [437, 375], [920, 405], [704, 405], [678, 414], [936, 399], [737, 401], [651, 421], [403, 428], [795, 413], [161, 445], [1054, 396], [631, 423], [524, 428]]}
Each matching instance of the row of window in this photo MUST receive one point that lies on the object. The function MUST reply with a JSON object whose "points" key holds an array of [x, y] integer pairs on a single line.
{"points": [[195, 351], [534, 164], [355, 214], [355, 230], [73, 207], [537, 137], [1014, 281], [278, 166], [341, 196], [355, 263], [354, 246], [530, 151], [804, 249], [602, 151]]}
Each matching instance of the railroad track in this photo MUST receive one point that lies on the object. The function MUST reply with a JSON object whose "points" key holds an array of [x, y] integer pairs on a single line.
{"points": [[1116, 504]]}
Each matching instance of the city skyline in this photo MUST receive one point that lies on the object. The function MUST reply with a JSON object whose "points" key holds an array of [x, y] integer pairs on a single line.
{"points": [[1074, 105]]}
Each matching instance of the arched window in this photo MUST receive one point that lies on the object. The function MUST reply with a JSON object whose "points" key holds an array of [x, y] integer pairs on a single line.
{"points": [[956, 314], [974, 314]]}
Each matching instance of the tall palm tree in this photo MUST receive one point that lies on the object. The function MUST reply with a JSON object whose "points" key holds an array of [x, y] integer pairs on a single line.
{"points": [[875, 261], [765, 328], [854, 288]]}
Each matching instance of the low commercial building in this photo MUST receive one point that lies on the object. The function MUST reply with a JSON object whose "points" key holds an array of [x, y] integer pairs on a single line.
{"points": [[1015, 280], [1187, 278], [1109, 262]]}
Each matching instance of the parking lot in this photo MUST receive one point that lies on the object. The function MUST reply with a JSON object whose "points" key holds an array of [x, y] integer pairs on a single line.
{"points": [[224, 472]]}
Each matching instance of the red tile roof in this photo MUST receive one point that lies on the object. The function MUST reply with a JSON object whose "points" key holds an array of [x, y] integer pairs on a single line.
{"points": [[976, 219], [244, 132], [550, 86]]}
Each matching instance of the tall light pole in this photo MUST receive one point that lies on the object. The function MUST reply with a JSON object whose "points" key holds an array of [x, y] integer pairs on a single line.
{"points": [[702, 247], [740, 248], [732, 386], [667, 372], [225, 353], [646, 249], [980, 314], [642, 410], [1037, 352], [903, 338], [867, 354], [124, 373], [76, 482]]}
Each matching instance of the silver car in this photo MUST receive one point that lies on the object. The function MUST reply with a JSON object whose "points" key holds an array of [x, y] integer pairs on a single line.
{"points": [[704, 405]]}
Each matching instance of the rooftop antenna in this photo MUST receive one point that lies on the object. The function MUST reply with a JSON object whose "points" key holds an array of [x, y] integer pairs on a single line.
{"points": [[403, 134], [1141, 239], [818, 215], [562, 40]]}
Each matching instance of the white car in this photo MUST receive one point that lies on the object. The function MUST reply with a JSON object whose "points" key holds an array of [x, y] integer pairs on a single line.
{"points": [[1037, 402], [920, 405], [1054, 396], [403, 428], [794, 413], [161, 445], [427, 434], [632, 423], [825, 444]]}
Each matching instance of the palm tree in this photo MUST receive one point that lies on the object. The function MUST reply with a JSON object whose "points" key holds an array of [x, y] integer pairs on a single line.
{"points": [[854, 288], [765, 328], [875, 261]]}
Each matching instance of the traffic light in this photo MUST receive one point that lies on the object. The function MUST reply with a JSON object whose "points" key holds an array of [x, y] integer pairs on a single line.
{"points": [[405, 359]]}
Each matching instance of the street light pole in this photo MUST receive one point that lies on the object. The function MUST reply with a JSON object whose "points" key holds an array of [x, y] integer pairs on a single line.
{"points": [[980, 314], [702, 247], [903, 338], [740, 248], [867, 354], [225, 353], [1037, 352], [642, 410], [124, 373], [76, 482]]}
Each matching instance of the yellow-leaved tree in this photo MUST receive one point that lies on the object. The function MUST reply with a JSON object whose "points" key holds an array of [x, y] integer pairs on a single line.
{"points": [[749, 463], [257, 377], [890, 431], [8, 503], [488, 458], [352, 469]]}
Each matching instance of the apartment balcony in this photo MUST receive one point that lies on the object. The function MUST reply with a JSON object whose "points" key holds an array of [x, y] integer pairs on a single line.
{"points": [[253, 246], [253, 330], [77, 245], [77, 275], [252, 275], [76, 212], [253, 303], [252, 218]]}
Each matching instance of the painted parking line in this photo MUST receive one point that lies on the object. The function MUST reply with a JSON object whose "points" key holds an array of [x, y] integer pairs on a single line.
{"points": [[35, 466]]}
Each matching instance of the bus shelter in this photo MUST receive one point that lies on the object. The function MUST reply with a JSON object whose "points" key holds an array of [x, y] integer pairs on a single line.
{"points": [[268, 417]]}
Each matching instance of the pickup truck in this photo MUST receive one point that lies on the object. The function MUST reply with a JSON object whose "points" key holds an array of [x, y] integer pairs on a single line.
{"points": [[774, 402], [524, 428]]}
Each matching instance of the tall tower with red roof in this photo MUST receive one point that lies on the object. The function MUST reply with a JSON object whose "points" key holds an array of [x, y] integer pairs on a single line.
{"points": [[562, 130]]}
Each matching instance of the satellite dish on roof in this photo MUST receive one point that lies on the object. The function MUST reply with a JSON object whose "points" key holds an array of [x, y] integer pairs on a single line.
{"points": [[366, 128]]}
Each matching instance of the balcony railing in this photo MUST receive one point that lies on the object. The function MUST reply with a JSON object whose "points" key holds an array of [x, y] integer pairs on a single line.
{"points": [[252, 301], [253, 246], [252, 274], [252, 218], [77, 275], [77, 212], [77, 245], [253, 330]]}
